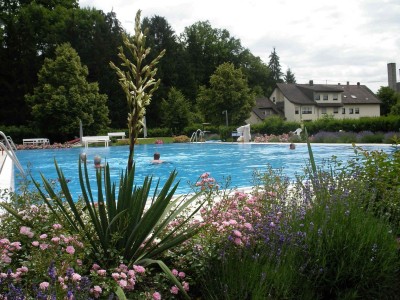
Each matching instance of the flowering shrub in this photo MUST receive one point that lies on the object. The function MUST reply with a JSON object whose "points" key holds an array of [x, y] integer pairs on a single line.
{"points": [[44, 261], [159, 142], [272, 138]]}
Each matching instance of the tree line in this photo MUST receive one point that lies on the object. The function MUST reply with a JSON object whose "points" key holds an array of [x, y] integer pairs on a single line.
{"points": [[55, 71]]}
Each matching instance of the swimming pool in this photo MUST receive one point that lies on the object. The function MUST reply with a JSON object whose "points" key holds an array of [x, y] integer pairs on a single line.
{"points": [[221, 160]]}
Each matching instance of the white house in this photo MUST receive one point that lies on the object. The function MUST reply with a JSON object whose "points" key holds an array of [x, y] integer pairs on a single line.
{"points": [[307, 102]]}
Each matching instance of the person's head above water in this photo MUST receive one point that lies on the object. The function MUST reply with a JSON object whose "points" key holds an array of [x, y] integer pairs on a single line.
{"points": [[156, 156]]}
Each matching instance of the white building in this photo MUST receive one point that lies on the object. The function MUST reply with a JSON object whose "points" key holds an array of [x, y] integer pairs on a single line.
{"points": [[307, 102]]}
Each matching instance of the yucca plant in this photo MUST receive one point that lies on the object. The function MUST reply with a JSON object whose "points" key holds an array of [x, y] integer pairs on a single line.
{"points": [[131, 224]]}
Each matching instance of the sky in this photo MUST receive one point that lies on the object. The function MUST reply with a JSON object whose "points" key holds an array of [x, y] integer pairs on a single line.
{"points": [[326, 41]]}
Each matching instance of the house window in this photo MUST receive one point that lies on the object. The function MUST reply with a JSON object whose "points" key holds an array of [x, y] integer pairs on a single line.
{"points": [[335, 97], [317, 97], [306, 110], [357, 111], [273, 99], [323, 110], [325, 96], [335, 110], [343, 110], [296, 110], [351, 111]]}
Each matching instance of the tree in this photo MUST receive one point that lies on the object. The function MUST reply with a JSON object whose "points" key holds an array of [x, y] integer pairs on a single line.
{"points": [[173, 69], [207, 48], [257, 73], [138, 82], [275, 67], [289, 76], [388, 98], [63, 97], [228, 91], [395, 109], [31, 30], [175, 111], [96, 37]]}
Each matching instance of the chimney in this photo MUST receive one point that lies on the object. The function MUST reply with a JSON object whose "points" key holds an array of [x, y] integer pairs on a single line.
{"points": [[311, 82], [348, 83], [391, 67], [338, 83], [358, 84]]}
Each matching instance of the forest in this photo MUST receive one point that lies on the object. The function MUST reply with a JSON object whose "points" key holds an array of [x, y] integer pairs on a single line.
{"points": [[55, 71]]}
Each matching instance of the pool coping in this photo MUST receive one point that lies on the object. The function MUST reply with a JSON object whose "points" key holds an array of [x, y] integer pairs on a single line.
{"points": [[6, 177]]}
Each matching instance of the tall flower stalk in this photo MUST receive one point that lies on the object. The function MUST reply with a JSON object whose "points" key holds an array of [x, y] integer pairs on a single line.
{"points": [[138, 82]]}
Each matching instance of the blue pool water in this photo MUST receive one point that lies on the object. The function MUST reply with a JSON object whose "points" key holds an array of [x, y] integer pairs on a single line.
{"points": [[221, 160]]}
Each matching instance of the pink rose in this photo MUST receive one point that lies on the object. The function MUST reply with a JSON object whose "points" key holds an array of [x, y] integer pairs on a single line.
{"points": [[76, 277], [57, 226], [156, 296], [122, 283], [26, 231], [96, 291], [44, 246], [55, 240], [70, 249], [44, 285], [139, 269], [174, 290], [237, 233]]}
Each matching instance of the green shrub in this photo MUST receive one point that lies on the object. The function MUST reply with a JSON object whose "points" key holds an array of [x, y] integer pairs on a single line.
{"points": [[349, 252], [156, 132], [18, 133], [379, 170], [373, 138]]}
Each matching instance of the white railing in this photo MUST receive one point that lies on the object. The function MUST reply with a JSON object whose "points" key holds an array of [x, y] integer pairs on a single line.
{"points": [[7, 145], [198, 134]]}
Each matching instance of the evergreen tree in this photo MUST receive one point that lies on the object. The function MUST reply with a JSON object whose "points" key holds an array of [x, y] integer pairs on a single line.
{"points": [[176, 112], [275, 67], [63, 97], [289, 76]]}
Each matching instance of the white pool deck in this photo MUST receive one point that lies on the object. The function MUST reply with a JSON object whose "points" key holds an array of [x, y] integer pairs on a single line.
{"points": [[6, 174]]}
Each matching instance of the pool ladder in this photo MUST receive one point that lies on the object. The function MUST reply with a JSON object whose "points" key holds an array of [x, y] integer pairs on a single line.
{"points": [[198, 134], [7, 145]]}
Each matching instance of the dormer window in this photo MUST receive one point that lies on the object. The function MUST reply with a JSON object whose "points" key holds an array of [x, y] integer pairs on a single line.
{"points": [[335, 97], [317, 97], [325, 96]]}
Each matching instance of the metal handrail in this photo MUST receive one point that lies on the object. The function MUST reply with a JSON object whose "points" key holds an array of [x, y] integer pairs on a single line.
{"points": [[8, 148], [193, 138]]}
